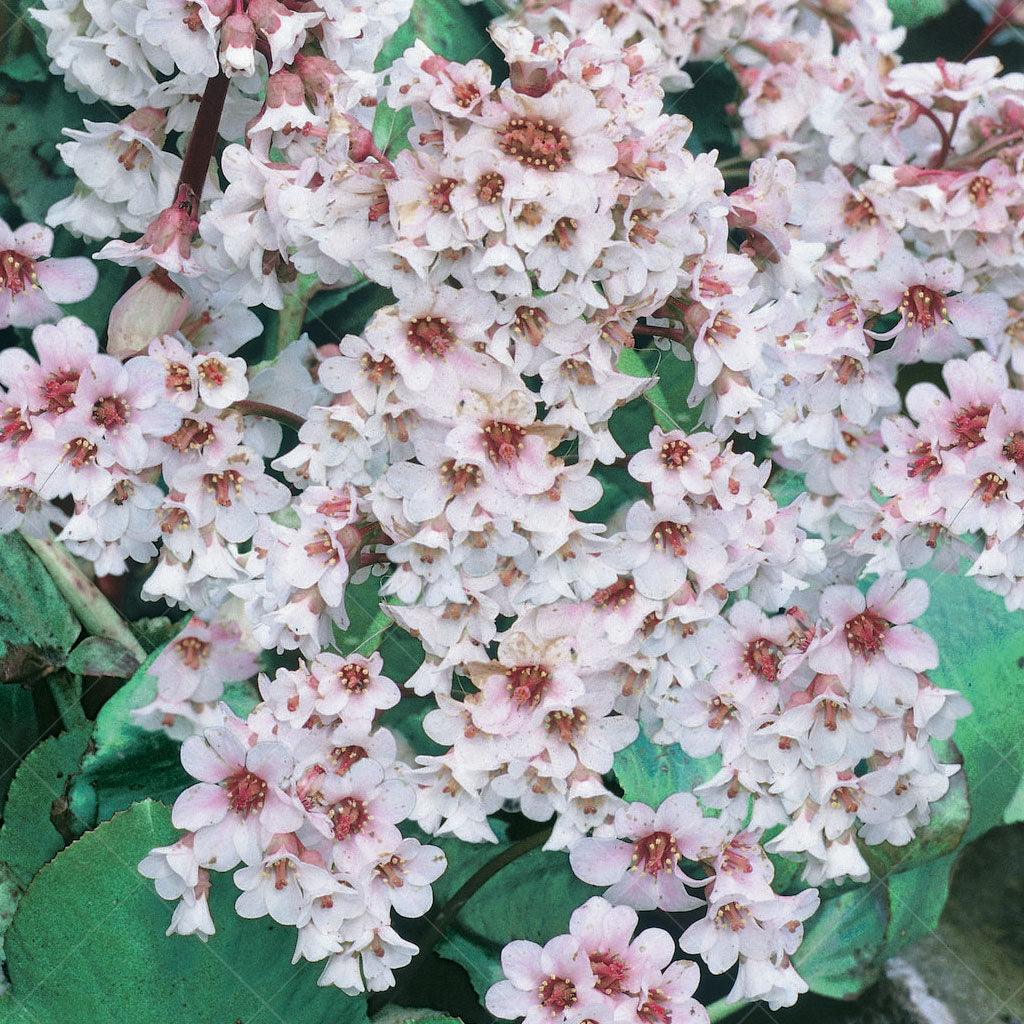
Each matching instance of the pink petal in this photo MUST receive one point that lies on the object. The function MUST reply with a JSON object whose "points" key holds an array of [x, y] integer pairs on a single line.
{"points": [[68, 280], [200, 805], [912, 648], [202, 762], [600, 861]]}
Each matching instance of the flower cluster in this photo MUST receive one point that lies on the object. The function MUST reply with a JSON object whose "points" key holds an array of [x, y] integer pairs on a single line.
{"points": [[450, 458], [302, 801]]}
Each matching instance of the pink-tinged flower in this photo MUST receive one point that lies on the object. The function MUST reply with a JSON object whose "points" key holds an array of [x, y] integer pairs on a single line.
{"points": [[621, 964], [352, 688], [203, 657], [240, 802], [65, 350], [671, 998], [676, 464], [975, 385], [871, 646], [543, 984], [641, 866], [934, 322], [401, 880], [31, 283], [284, 883], [121, 408], [359, 810], [231, 493], [221, 379]]}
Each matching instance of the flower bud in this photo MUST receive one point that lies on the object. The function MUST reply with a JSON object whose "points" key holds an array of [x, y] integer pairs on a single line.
{"points": [[238, 46], [152, 307]]}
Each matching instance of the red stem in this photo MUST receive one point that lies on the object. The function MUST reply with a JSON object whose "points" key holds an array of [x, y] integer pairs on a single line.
{"points": [[196, 164], [1000, 18], [270, 412], [947, 140], [653, 331]]}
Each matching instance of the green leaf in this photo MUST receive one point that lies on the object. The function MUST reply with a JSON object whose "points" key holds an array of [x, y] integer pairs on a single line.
{"points": [[981, 654], [18, 729], [367, 622], [913, 12], [650, 772], [668, 397], [786, 486], [532, 898], [31, 118], [839, 954], [916, 900], [88, 940], [28, 838], [37, 628], [10, 893], [98, 656]]}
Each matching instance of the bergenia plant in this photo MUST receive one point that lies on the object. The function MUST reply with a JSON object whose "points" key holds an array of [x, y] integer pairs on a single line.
{"points": [[519, 545]]}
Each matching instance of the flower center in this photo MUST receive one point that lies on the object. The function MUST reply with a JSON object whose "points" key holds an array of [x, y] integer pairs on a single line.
{"points": [[535, 143], [530, 323], [59, 390], [213, 371], [193, 651], [731, 916], [619, 593], [655, 853], [378, 370], [924, 462], [672, 537], [391, 871], [980, 190], [190, 436], [1013, 447], [17, 272], [355, 678], [110, 412], [859, 212], [557, 994], [865, 633], [430, 336], [177, 377], [344, 757], [990, 487], [653, 1012], [610, 972], [81, 452], [490, 187], [459, 478], [222, 485], [848, 369], [246, 793], [923, 306], [969, 425], [675, 454], [503, 441], [565, 723], [440, 194], [526, 683], [348, 817], [322, 547], [761, 657], [843, 796]]}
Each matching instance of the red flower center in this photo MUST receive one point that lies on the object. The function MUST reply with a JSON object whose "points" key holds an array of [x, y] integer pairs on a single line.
{"points": [[246, 793], [213, 371], [441, 194], [969, 425], [610, 972], [859, 212], [672, 537], [761, 657], [348, 817], [923, 306], [865, 633], [565, 723], [619, 593], [190, 436], [110, 412], [655, 853], [430, 336], [675, 454], [224, 485], [730, 916], [459, 478], [81, 452], [193, 651], [526, 683], [59, 390], [990, 487], [17, 272], [344, 757], [489, 187], [1013, 447], [355, 678], [503, 441], [557, 994], [536, 143]]}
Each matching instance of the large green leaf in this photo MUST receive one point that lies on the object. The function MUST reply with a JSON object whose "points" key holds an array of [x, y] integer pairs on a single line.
{"points": [[28, 838], [981, 654], [839, 954], [87, 943], [37, 627], [916, 899], [650, 772], [367, 623], [914, 12], [19, 730]]}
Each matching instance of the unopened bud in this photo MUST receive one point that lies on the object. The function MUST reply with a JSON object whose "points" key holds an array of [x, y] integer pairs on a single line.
{"points": [[151, 308], [238, 46]]}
